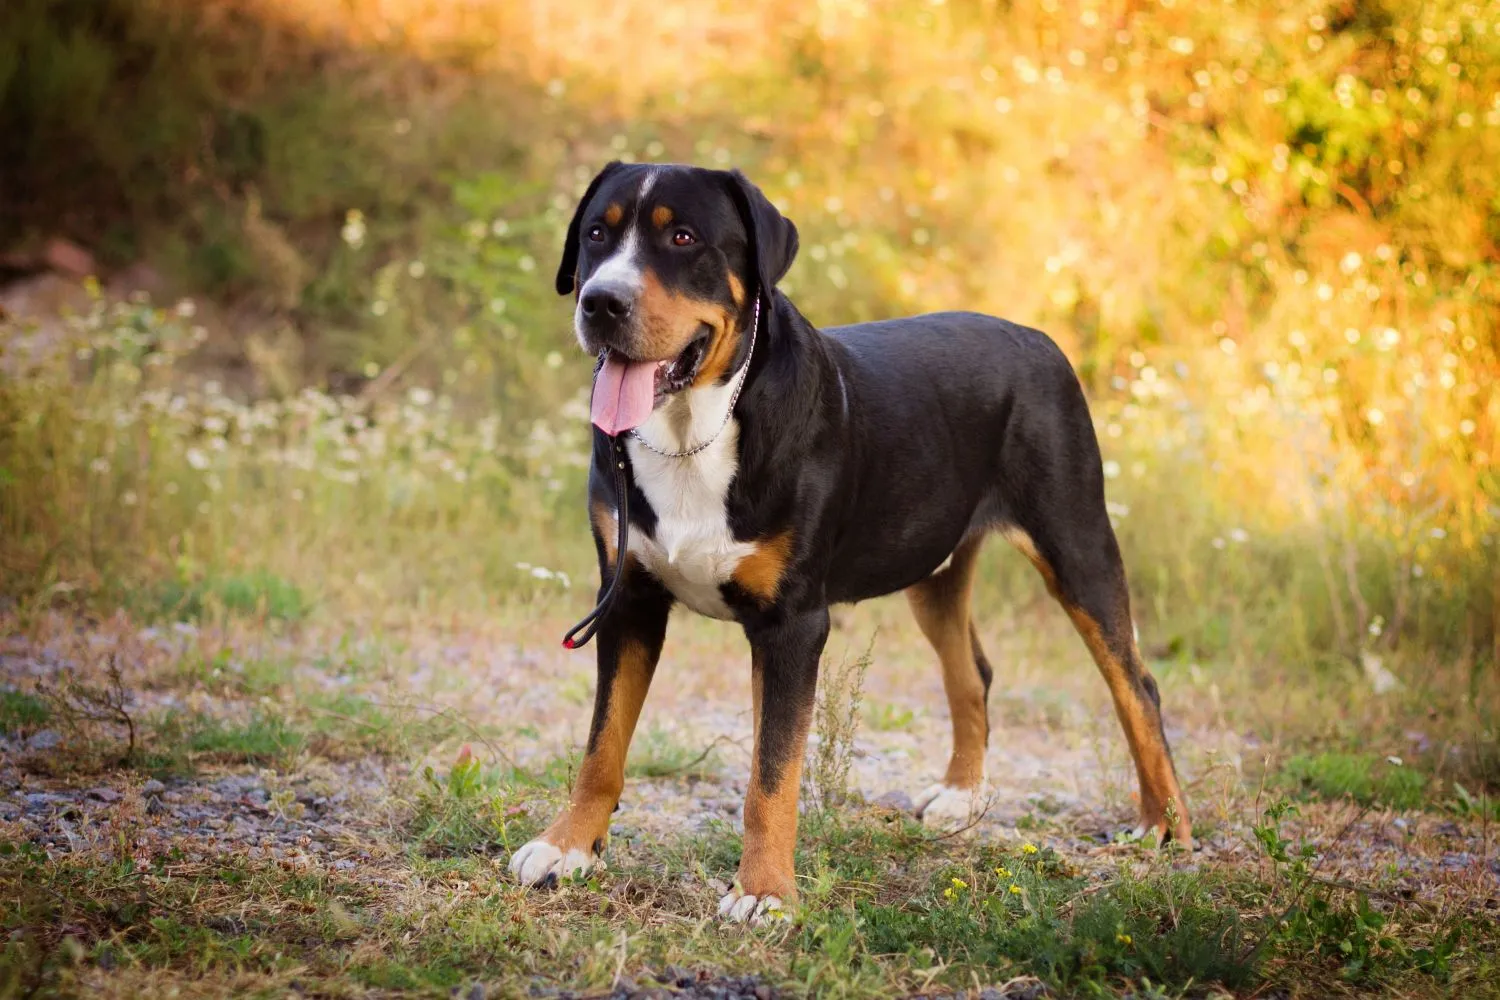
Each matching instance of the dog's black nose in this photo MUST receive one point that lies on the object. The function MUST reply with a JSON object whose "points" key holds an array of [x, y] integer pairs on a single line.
{"points": [[606, 303]]}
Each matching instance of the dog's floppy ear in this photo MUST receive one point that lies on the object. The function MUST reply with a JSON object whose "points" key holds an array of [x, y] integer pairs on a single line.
{"points": [[773, 237], [567, 271]]}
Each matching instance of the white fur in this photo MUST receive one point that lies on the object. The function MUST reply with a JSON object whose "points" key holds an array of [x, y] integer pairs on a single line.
{"points": [[537, 859], [623, 267], [950, 808], [693, 550]]}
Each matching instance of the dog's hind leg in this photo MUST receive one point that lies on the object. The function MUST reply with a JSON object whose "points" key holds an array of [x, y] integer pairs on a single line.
{"points": [[1081, 564], [629, 644], [941, 606]]}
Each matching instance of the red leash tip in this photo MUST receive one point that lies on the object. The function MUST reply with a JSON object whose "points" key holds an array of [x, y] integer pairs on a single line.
{"points": [[569, 644]]}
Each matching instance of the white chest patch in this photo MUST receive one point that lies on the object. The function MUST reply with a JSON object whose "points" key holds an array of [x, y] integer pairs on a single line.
{"points": [[693, 550]]}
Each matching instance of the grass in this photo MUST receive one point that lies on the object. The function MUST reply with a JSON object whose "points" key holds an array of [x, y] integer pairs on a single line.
{"points": [[264, 739], [1289, 900], [21, 713], [1364, 778], [257, 593], [952, 916]]}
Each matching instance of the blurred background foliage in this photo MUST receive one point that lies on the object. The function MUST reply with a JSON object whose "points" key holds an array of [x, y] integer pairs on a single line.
{"points": [[1266, 233]]}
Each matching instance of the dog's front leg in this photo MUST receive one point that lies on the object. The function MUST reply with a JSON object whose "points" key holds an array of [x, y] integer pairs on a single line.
{"points": [[784, 654], [629, 644]]}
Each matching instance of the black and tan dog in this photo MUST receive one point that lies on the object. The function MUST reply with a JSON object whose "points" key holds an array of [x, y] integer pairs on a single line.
{"points": [[774, 469]]}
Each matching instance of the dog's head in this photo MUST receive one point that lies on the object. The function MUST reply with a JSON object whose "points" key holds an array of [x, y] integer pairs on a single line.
{"points": [[666, 263]]}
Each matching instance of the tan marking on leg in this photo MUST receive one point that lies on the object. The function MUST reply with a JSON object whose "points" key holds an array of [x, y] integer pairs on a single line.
{"points": [[661, 216], [1023, 543], [760, 572], [614, 213], [584, 823], [608, 527], [1141, 721], [941, 606], [768, 863]]}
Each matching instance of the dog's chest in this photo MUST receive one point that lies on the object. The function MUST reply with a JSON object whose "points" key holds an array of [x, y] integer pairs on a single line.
{"points": [[691, 551]]}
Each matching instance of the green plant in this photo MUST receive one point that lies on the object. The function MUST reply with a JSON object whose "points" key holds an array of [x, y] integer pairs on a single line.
{"points": [[1366, 778], [837, 712]]}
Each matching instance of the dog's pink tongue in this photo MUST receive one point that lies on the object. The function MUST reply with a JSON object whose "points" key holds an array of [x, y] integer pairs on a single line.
{"points": [[624, 392]]}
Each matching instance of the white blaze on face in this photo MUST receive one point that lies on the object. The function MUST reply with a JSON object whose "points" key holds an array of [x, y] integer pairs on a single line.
{"points": [[622, 268]]}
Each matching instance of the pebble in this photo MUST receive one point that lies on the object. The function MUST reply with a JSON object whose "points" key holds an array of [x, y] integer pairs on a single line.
{"points": [[104, 794], [897, 801], [44, 739], [153, 787]]}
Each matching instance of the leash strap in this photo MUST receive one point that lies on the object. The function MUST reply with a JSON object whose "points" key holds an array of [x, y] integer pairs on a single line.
{"points": [[580, 634]]}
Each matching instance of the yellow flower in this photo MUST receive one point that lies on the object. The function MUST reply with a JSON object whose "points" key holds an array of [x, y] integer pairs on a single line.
{"points": [[959, 883], [948, 893], [1003, 872], [1123, 938], [1016, 889], [1028, 848]]}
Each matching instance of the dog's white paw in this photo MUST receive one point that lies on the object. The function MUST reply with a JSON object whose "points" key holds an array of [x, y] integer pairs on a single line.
{"points": [[948, 808], [539, 863], [740, 907]]}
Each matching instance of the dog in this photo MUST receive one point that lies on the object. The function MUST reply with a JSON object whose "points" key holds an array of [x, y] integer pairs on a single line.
{"points": [[771, 469]]}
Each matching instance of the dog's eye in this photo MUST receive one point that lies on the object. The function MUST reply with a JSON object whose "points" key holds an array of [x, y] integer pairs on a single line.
{"points": [[683, 238], [596, 234]]}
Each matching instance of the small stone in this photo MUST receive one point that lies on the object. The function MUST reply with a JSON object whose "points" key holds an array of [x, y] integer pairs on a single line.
{"points": [[155, 806], [153, 787], [476, 992], [343, 865], [104, 794], [897, 801], [762, 992], [44, 739]]}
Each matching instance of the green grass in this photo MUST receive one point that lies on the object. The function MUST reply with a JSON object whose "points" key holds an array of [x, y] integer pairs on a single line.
{"points": [[657, 753], [259, 594], [1366, 778], [266, 738], [21, 712]]}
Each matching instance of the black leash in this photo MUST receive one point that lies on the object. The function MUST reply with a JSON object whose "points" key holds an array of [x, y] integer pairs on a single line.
{"points": [[590, 623]]}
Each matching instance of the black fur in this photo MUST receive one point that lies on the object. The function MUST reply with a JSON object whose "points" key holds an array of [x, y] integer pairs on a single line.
{"points": [[881, 446]]}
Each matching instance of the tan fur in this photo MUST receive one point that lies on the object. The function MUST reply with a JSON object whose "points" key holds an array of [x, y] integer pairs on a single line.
{"points": [[941, 606], [767, 863], [661, 216], [669, 321], [614, 213], [760, 572], [1142, 724], [1023, 543], [584, 823], [607, 526]]}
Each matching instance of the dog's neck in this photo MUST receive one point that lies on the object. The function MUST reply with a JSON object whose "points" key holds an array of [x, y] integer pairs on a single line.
{"points": [[690, 417]]}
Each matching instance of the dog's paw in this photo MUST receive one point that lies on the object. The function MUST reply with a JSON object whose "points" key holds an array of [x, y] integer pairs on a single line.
{"points": [[947, 808], [540, 863], [740, 907]]}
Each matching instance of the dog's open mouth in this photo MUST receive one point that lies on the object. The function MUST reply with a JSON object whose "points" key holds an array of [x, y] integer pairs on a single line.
{"points": [[626, 390], [677, 374]]}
